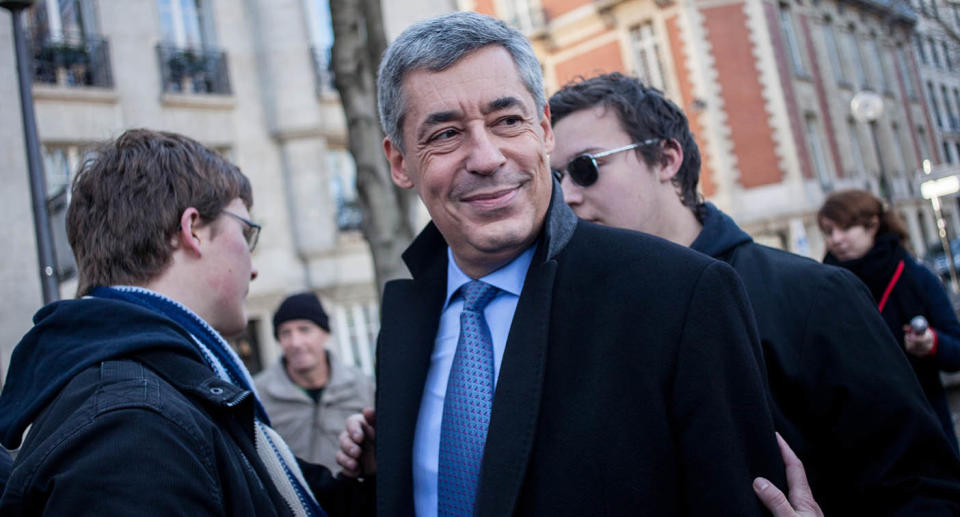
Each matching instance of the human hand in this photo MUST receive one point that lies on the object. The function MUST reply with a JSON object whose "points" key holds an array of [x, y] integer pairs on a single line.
{"points": [[357, 455], [800, 502], [920, 345]]}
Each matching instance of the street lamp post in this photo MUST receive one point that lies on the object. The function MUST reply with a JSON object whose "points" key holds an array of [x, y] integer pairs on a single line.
{"points": [[933, 190], [867, 106], [38, 187]]}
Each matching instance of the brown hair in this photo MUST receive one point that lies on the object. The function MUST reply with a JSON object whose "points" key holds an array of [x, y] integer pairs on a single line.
{"points": [[858, 207], [128, 198]]}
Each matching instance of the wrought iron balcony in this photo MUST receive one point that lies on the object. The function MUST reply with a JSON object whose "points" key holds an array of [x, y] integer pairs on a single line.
{"points": [[72, 62], [193, 71]]}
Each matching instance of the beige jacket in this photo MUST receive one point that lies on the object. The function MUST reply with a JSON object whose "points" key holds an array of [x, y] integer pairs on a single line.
{"points": [[311, 429]]}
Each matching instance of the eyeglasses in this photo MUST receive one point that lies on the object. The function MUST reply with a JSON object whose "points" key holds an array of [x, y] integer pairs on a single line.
{"points": [[583, 168], [251, 230]]}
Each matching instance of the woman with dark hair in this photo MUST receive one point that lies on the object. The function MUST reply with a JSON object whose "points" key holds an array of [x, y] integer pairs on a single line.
{"points": [[863, 236]]}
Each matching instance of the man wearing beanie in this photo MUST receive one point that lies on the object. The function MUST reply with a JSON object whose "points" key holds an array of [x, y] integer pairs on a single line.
{"points": [[308, 393]]}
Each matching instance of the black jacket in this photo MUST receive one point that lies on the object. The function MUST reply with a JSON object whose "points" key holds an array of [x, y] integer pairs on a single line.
{"points": [[127, 420], [916, 292], [630, 383], [844, 396]]}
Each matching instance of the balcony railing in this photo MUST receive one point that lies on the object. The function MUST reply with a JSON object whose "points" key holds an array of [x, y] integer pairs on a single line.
{"points": [[72, 62], [193, 71]]}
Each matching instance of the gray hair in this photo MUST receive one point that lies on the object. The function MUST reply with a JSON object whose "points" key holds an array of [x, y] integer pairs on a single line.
{"points": [[437, 44]]}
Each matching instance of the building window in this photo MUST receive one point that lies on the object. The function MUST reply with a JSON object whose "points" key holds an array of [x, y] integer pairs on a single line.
{"points": [[355, 327], [897, 147], [343, 189], [949, 118], [66, 46], [646, 55], [879, 65], [60, 164], [833, 52], [524, 15], [934, 104], [856, 151], [790, 38], [247, 346], [946, 152], [190, 62], [934, 55], [925, 153], [818, 153], [946, 56], [955, 123], [905, 74], [853, 53], [920, 50], [320, 28]]}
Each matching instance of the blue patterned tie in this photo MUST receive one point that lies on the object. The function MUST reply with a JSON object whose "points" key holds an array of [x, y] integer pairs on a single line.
{"points": [[466, 406]]}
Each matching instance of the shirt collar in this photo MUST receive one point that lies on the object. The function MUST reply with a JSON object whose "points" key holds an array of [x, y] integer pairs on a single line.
{"points": [[508, 278]]}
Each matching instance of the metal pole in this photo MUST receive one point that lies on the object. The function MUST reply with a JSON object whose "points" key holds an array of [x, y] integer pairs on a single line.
{"points": [[38, 187], [947, 251], [883, 172]]}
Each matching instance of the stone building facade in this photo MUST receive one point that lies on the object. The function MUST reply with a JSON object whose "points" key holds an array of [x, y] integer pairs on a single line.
{"points": [[767, 86], [249, 79]]}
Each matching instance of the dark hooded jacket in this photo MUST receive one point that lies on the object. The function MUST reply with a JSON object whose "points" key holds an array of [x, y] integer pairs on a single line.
{"points": [[844, 396], [128, 420]]}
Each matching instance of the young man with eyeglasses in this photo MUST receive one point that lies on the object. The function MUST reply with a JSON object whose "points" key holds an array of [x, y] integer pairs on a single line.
{"points": [[843, 395], [135, 403]]}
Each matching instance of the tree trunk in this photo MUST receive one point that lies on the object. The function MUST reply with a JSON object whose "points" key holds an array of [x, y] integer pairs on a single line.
{"points": [[359, 41]]}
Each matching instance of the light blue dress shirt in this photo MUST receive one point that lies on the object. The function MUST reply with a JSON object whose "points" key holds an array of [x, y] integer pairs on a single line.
{"points": [[499, 315]]}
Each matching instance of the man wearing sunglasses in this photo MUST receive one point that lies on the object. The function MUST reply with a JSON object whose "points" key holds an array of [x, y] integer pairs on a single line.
{"points": [[625, 157], [135, 403]]}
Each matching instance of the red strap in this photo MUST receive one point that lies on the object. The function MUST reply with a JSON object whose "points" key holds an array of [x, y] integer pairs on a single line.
{"points": [[893, 282]]}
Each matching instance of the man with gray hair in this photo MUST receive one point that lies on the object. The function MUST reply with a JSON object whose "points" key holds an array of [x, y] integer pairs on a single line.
{"points": [[537, 364]]}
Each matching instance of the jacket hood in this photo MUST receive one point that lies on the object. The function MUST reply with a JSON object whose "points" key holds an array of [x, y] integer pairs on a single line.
{"points": [[720, 234], [69, 336]]}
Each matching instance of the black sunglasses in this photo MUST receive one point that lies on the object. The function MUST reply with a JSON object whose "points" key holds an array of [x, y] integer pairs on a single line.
{"points": [[583, 168], [251, 230]]}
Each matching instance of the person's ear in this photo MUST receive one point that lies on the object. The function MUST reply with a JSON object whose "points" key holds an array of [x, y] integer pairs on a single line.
{"points": [[549, 141], [186, 237], [671, 158], [398, 164]]}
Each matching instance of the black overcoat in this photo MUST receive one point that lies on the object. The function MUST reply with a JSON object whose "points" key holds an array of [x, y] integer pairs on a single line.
{"points": [[630, 384], [845, 398]]}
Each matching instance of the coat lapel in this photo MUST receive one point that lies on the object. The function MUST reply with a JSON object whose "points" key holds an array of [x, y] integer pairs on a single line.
{"points": [[408, 330], [516, 402], [409, 321]]}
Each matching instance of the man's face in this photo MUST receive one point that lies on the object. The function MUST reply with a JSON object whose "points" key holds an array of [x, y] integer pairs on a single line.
{"points": [[476, 152], [627, 193], [228, 270], [303, 343]]}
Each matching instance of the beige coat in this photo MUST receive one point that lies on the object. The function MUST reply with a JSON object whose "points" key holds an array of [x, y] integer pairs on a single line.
{"points": [[311, 429]]}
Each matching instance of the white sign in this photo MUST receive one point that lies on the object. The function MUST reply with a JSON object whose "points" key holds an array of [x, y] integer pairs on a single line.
{"points": [[941, 187]]}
